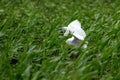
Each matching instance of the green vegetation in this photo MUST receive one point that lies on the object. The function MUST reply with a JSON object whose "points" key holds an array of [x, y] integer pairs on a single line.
{"points": [[32, 46]]}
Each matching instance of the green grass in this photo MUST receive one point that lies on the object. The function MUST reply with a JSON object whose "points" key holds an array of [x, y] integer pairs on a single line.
{"points": [[32, 46]]}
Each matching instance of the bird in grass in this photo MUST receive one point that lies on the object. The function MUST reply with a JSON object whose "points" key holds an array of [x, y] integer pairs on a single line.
{"points": [[78, 34]]}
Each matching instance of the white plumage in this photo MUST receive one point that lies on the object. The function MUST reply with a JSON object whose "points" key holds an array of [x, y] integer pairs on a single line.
{"points": [[77, 32]]}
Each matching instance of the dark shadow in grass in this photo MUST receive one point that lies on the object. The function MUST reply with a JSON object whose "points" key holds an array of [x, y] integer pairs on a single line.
{"points": [[74, 55], [13, 61], [20, 49]]}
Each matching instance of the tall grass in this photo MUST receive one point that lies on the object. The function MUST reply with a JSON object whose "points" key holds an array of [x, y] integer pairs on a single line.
{"points": [[32, 46]]}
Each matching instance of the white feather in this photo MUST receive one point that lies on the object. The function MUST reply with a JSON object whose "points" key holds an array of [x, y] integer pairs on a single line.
{"points": [[75, 28], [73, 41], [78, 33]]}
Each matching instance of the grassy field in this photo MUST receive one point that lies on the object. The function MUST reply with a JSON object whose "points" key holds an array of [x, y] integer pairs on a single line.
{"points": [[32, 46]]}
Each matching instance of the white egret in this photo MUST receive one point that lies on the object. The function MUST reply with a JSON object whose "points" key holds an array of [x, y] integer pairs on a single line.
{"points": [[78, 34]]}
